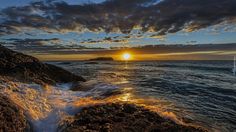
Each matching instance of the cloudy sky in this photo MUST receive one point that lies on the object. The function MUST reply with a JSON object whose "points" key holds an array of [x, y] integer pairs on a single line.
{"points": [[82, 29]]}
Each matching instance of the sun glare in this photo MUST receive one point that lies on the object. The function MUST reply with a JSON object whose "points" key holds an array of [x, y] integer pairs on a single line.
{"points": [[126, 56]]}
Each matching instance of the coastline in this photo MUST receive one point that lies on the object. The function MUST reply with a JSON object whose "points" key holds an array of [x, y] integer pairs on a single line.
{"points": [[129, 110]]}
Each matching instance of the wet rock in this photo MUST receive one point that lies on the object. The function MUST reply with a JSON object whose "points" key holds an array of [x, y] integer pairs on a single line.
{"points": [[29, 69], [123, 118], [129, 108], [80, 87], [12, 118]]}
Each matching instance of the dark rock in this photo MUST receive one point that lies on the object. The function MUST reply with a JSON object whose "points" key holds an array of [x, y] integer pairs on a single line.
{"points": [[80, 87], [12, 118], [123, 118], [129, 108], [29, 69], [102, 59]]}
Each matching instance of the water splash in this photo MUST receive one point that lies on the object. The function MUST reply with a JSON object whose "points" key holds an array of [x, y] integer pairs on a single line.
{"points": [[49, 106]]}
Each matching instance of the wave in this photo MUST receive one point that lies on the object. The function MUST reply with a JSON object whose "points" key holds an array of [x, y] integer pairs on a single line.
{"points": [[48, 106], [207, 68]]}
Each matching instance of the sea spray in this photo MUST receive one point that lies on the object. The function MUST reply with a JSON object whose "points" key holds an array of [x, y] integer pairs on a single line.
{"points": [[44, 106], [49, 106]]}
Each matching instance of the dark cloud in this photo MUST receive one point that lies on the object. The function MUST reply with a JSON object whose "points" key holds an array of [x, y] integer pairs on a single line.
{"points": [[156, 49], [41, 45], [108, 40], [168, 16], [177, 48], [28, 40]]}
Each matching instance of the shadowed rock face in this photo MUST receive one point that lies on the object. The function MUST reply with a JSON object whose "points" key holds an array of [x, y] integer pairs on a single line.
{"points": [[12, 118], [29, 69], [123, 118]]}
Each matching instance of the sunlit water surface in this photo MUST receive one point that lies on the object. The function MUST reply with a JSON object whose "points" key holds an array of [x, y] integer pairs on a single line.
{"points": [[203, 92], [199, 93]]}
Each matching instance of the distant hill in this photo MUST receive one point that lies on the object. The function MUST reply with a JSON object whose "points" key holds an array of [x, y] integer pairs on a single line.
{"points": [[102, 59]]}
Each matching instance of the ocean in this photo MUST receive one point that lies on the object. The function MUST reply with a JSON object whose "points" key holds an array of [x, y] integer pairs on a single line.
{"points": [[202, 93], [198, 93]]}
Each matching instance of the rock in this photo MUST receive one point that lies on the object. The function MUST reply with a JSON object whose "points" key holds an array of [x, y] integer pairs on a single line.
{"points": [[29, 69], [102, 59], [129, 108], [12, 118], [80, 87], [123, 118]]}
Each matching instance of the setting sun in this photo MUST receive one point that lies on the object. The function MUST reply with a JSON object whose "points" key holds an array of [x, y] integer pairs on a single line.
{"points": [[126, 56]]}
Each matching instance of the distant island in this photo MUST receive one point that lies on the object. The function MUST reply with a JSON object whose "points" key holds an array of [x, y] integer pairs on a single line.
{"points": [[102, 59]]}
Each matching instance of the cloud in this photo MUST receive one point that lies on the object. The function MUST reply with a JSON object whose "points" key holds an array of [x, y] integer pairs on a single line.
{"points": [[162, 17], [40, 46], [27, 41], [152, 50], [108, 40], [157, 36], [167, 16]]}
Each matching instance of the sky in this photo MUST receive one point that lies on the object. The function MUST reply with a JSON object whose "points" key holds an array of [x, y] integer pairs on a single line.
{"points": [[82, 29]]}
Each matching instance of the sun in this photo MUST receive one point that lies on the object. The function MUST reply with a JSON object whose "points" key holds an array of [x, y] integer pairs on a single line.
{"points": [[126, 56]]}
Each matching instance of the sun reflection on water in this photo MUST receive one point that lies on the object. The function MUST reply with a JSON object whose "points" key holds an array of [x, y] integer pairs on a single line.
{"points": [[125, 97]]}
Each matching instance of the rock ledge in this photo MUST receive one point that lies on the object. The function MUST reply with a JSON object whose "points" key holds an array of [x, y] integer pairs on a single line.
{"points": [[123, 118]]}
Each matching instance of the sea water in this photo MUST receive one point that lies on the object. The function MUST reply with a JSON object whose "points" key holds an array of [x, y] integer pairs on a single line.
{"points": [[201, 93]]}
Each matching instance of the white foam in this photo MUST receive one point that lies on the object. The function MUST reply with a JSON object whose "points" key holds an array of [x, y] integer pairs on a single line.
{"points": [[48, 106]]}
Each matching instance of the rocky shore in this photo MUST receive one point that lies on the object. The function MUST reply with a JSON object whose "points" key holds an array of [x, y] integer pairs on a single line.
{"points": [[29, 69], [12, 118], [16, 66], [106, 117], [123, 118]]}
